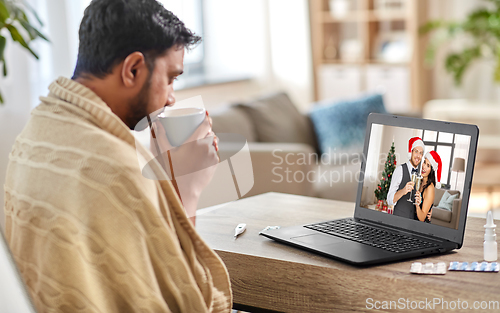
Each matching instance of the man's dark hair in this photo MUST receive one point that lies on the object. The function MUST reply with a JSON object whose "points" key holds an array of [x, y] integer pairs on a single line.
{"points": [[112, 29]]}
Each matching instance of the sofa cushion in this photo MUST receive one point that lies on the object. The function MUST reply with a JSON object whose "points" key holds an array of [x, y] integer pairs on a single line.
{"points": [[232, 119], [446, 201], [277, 119], [438, 194], [342, 125], [441, 214]]}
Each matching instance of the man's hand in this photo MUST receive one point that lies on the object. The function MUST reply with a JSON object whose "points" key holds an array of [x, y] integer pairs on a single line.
{"points": [[191, 165], [408, 188]]}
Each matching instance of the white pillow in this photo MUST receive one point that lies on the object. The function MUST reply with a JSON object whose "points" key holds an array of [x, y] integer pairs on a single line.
{"points": [[446, 201]]}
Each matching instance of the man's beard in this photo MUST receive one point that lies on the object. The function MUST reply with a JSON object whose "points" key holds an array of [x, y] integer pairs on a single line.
{"points": [[415, 165], [138, 107]]}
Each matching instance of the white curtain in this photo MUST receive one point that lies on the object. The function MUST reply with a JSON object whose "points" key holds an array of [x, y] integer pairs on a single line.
{"points": [[57, 58], [28, 79]]}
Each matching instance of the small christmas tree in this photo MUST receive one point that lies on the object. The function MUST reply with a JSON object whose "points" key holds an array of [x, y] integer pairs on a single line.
{"points": [[385, 182]]}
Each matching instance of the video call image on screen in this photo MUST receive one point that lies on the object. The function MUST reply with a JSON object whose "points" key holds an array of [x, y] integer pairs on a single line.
{"points": [[416, 173]]}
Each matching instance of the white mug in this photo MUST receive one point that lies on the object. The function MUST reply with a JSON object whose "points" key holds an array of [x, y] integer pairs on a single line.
{"points": [[180, 124]]}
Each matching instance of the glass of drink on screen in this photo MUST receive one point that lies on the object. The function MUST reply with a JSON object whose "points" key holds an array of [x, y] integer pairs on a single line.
{"points": [[414, 180], [418, 184]]}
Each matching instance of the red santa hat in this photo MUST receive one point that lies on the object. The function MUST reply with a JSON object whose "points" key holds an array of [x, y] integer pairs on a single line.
{"points": [[415, 142], [436, 164]]}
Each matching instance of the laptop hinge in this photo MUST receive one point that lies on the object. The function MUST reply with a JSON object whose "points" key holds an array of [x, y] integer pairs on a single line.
{"points": [[403, 230]]}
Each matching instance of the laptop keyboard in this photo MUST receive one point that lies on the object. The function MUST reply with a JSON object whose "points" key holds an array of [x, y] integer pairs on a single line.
{"points": [[372, 236]]}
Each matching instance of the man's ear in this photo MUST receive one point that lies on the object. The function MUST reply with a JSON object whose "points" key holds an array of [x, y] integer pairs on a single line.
{"points": [[134, 70]]}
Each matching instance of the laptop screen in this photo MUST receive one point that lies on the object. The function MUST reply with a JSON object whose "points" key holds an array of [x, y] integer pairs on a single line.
{"points": [[435, 157]]}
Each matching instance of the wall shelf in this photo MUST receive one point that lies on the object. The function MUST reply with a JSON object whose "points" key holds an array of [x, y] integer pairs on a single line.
{"points": [[359, 34]]}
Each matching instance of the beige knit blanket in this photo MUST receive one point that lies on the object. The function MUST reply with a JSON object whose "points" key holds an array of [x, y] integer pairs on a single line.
{"points": [[88, 231]]}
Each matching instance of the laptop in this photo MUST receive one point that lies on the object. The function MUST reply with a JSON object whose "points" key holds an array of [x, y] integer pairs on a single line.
{"points": [[374, 234], [14, 297]]}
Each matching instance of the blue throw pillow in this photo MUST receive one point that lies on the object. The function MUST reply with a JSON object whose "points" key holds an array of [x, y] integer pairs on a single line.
{"points": [[342, 125], [446, 201]]}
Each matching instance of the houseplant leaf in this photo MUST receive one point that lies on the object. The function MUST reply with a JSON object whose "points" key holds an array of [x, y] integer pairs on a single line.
{"points": [[20, 16], [34, 33], [430, 26], [480, 35], [457, 63], [12, 16], [30, 8], [16, 36], [497, 69], [3, 43], [4, 12]]}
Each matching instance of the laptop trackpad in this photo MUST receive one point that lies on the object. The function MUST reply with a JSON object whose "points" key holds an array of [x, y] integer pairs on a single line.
{"points": [[318, 239]]}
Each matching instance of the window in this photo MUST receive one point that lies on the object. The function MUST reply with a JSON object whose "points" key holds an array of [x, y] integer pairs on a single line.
{"points": [[225, 53], [191, 13]]}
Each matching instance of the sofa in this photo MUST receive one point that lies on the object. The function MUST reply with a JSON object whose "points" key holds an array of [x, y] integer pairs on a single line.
{"points": [[444, 217], [285, 150]]}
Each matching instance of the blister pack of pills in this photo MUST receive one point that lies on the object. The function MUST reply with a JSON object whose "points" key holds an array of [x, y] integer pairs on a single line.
{"points": [[474, 266], [428, 268], [268, 228]]}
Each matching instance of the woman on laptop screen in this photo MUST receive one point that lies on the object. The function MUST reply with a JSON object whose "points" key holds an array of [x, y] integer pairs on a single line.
{"points": [[425, 190]]}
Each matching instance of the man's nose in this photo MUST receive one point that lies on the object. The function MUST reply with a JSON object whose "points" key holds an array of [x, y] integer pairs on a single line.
{"points": [[171, 98]]}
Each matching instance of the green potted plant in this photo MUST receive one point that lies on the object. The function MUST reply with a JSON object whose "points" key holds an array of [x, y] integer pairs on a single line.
{"points": [[14, 20], [480, 34]]}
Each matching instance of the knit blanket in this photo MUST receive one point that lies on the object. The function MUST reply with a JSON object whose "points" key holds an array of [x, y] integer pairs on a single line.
{"points": [[88, 231]]}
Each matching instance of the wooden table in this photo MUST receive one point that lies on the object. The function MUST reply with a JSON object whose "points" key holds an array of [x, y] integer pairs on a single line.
{"points": [[266, 275]]}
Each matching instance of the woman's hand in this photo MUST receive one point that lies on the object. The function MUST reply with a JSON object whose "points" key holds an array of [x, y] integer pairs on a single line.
{"points": [[418, 198]]}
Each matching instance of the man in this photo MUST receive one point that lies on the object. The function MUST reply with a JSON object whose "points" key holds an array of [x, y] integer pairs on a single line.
{"points": [[88, 231], [401, 184]]}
